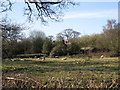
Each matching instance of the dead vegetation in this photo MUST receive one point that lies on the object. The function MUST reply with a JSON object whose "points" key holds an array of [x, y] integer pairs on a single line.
{"points": [[23, 81]]}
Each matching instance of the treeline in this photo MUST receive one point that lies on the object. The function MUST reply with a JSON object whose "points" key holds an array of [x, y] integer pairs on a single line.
{"points": [[67, 42]]}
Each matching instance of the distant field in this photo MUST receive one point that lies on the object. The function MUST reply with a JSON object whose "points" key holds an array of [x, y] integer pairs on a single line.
{"points": [[58, 73]]}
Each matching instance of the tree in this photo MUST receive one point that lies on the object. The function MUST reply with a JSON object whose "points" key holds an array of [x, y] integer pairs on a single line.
{"points": [[47, 46], [37, 34], [51, 37], [25, 46], [111, 36], [68, 34], [9, 49], [40, 9], [76, 34], [93, 39], [37, 38], [37, 45], [11, 33], [101, 42], [84, 41], [59, 37]]}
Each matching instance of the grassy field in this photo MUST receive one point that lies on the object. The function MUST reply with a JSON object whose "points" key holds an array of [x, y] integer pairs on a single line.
{"points": [[58, 73]]}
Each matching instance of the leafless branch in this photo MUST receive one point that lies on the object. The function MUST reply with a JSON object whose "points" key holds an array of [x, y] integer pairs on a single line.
{"points": [[5, 6], [44, 11]]}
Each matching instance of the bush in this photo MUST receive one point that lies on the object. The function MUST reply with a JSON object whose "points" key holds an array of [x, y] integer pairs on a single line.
{"points": [[73, 48], [59, 50]]}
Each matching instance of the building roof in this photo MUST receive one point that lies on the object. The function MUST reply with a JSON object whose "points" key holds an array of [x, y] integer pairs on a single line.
{"points": [[68, 43]]}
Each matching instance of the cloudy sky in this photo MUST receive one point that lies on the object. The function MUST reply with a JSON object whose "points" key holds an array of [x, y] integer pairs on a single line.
{"points": [[87, 17]]}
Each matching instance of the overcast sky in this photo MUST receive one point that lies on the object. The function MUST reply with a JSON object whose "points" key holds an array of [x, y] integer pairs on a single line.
{"points": [[86, 18]]}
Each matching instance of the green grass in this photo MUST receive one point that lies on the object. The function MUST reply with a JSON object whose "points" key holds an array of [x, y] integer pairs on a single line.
{"points": [[73, 72]]}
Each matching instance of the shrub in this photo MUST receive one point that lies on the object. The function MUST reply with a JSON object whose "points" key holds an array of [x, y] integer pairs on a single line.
{"points": [[73, 48], [59, 50]]}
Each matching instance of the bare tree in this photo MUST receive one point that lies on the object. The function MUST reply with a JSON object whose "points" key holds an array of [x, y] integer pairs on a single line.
{"points": [[68, 34], [76, 34], [5, 6], [51, 37], [40, 9], [60, 37], [11, 31]]}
